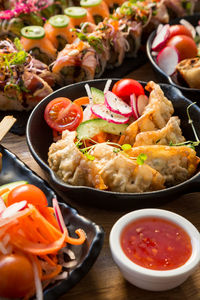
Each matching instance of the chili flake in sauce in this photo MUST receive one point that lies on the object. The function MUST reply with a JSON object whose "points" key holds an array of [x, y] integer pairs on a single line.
{"points": [[156, 243]]}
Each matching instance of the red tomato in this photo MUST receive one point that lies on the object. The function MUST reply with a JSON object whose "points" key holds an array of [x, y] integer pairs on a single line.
{"points": [[126, 87], [17, 278], [61, 114], [185, 46], [31, 193], [179, 30]]}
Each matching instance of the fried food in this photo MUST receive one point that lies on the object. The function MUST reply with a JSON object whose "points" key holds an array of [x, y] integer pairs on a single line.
{"points": [[189, 70]]}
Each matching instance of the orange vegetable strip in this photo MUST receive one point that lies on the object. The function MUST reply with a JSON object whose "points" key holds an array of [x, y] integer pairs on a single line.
{"points": [[4, 191], [29, 227], [55, 272], [37, 248], [49, 260], [82, 101], [121, 140], [48, 214], [82, 237], [46, 228]]}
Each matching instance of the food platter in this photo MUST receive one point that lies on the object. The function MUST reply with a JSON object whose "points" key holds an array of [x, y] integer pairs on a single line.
{"points": [[191, 93], [39, 144], [13, 170]]}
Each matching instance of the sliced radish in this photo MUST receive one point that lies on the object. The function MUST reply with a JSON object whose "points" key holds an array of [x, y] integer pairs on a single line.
{"points": [[168, 59], [134, 106], [13, 209], [101, 111], [107, 86], [87, 113], [141, 103], [117, 105], [58, 215], [189, 26], [160, 26], [161, 38], [2, 205]]}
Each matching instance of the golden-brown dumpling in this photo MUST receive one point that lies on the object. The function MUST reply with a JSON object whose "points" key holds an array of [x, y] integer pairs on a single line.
{"points": [[176, 164], [189, 70], [171, 133], [71, 165], [155, 115]]}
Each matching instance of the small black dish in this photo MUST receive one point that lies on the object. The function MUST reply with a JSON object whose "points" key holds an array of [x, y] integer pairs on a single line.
{"points": [[39, 138], [13, 170], [193, 94]]}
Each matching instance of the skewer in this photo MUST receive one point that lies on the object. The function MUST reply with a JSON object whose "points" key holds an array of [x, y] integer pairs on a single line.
{"points": [[5, 126]]}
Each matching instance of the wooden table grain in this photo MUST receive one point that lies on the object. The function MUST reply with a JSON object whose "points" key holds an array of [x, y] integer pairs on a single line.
{"points": [[104, 281]]}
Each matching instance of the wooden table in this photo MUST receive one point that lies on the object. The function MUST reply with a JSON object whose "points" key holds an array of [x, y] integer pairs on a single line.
{"points": [[104, 281]]}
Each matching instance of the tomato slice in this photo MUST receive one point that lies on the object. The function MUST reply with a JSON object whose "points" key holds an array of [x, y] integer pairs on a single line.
{"points": [[29, 192], [61, 114], [126, 87]]}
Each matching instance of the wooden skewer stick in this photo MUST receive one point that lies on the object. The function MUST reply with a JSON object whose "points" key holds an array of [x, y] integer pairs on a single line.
{"points": [[5, 125]]}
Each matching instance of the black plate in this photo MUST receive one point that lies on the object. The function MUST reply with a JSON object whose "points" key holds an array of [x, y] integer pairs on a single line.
{"points": [[86, 254], [39, 138], [193, 94]]}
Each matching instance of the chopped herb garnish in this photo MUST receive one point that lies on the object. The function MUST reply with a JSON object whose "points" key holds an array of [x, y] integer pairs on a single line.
{"points": [[126, 147], [141, 159]]}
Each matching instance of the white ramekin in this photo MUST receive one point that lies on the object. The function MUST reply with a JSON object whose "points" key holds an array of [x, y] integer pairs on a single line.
{"points": [[148, 279]]}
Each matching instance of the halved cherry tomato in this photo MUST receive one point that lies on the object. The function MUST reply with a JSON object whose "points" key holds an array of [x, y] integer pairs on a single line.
{"points": [[17, 278], [61, 113], [185, 46], [29, 192], [126, 87], [179, 30]]}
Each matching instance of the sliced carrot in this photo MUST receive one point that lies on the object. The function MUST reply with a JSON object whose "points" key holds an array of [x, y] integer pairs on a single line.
{"points": [[81, 238], [49, 260], [55, 272], [82, 101], [121, 139], [4, 191], [25, 245]]}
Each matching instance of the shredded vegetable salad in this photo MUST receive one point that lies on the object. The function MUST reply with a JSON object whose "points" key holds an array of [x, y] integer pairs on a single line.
{"points": [[33, 242]]}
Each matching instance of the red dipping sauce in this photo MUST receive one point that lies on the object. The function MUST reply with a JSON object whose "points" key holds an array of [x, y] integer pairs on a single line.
{"points": [[156, 243]]}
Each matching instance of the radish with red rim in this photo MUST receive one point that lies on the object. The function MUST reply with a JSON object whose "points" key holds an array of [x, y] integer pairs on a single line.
{"points": [[161, 38], [11, 210], [167, 59], [141, 103], [117, 105], [101, 111], [134, 106]]}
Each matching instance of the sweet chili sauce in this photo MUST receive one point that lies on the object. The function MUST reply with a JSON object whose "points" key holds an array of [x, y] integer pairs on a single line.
{"points": [[156, 243]]}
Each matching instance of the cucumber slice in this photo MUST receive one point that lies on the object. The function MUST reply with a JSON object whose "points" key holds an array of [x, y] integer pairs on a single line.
{"points": [[97, 96], [90, 3], [59, 21], [11, 186], [33, 32], [75, 12], [90, 128]]}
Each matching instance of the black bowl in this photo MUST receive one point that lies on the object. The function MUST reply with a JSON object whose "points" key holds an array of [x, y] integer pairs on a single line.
{"points": [[39, 138], [13, 170], [193, 94]]}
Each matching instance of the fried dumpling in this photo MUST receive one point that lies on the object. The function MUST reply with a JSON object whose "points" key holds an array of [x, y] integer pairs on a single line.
{"points": [[176, 164], [71, 165], [171, 133], [189, 70], [155, 116], [122, 174]]}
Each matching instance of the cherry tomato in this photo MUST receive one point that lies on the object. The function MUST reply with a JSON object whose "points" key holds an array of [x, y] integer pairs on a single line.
{"points": [[185, 46], [126, 87], [179, 30], [17, 278], [31, 193], [61, 114]]}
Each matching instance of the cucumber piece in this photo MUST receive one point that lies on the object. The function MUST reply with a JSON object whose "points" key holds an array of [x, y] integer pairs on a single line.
{"points": [[33, 32], [59, 21], [90, 128], [97, 95], [11, 186]]}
